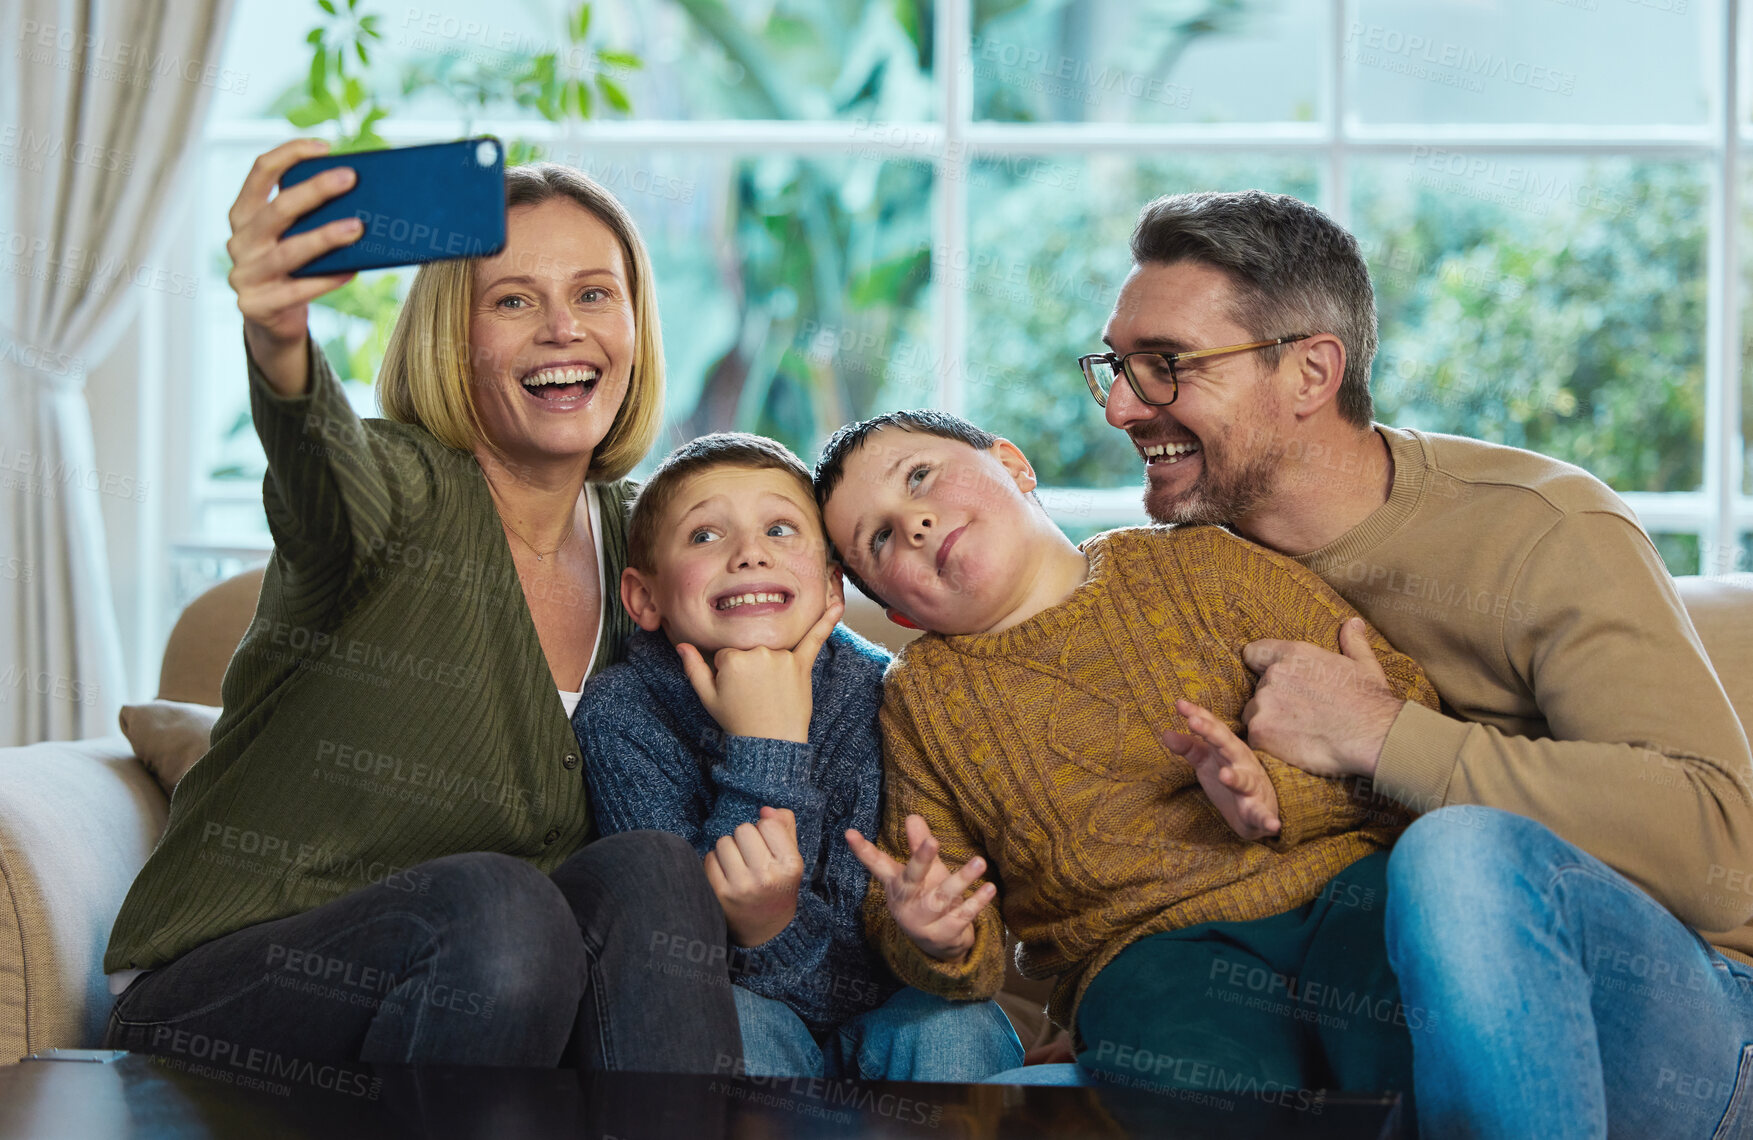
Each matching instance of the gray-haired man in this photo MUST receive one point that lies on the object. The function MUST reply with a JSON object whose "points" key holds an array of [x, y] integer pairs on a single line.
{"points": [[1546, 928]]}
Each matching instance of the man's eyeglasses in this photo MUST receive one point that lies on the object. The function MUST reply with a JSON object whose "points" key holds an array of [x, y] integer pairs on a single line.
{"points": [[1152, 374]]}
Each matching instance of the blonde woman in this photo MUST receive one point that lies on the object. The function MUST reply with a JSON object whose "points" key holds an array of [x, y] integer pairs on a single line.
{"points": [[386, 855]]}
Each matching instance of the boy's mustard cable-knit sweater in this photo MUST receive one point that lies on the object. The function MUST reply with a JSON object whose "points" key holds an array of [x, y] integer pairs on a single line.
{"points": [[1040, 749]]}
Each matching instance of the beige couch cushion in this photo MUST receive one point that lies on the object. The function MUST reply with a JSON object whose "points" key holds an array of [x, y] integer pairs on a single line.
{"points": [[77, 821], [1722, 611], [168, 737], [204, 638]]}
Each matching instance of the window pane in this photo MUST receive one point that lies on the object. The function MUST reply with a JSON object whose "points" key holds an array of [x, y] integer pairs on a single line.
{"points": [[789, 59], [265, 54], [1512, 61], [1734, 557], [1151, 61], [1049, 252], [1678, 551], [795, 291], [437, 59], [1552, 304], [697, 59]]}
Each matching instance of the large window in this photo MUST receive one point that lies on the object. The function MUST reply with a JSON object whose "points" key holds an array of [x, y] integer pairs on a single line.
{"points": [[856, 205]]}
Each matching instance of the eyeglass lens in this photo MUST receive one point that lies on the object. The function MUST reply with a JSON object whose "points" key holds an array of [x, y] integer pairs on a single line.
{"points": [[1151, 373]]}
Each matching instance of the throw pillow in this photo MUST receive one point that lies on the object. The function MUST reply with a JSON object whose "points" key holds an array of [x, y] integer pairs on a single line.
{"points": [[168, 737]]}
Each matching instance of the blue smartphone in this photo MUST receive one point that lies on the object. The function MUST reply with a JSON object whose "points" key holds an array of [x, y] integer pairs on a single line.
{"points": [[418, 203]]}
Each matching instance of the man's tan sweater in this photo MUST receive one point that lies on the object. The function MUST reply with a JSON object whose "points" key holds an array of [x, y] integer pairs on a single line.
{"points": [[1040, 748], [1575, 691]]}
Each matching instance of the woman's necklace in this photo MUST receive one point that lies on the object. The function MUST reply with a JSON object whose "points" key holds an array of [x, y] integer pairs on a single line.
{"points": [[564, 538]]}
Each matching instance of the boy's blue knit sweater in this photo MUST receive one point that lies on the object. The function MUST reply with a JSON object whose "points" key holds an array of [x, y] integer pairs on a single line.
{"points": [[656, 759]]}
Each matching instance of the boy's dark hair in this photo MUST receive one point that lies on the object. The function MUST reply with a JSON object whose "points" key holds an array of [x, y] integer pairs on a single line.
{"points": [[831, 467], [721, 449]]}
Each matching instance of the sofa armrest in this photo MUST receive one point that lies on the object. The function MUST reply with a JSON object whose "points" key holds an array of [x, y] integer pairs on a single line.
{"points": [[77, 821]]}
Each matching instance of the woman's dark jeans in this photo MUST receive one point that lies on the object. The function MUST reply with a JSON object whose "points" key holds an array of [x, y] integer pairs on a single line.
{"points": [[616, 961]]}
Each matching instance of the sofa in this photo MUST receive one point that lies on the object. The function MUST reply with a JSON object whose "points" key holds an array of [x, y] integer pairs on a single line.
{"points": [[78, 819]]}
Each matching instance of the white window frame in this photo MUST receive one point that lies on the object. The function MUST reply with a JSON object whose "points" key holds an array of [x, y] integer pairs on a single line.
{"points": [[1718, 513]]}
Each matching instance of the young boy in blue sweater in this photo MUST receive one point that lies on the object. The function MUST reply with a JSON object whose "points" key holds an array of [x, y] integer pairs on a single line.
{"points": [[745, 720]]}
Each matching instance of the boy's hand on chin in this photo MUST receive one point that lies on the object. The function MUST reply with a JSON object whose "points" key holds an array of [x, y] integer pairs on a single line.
{"points": [[1229, 772], [924, 897], [755, 873], [761, 692]]}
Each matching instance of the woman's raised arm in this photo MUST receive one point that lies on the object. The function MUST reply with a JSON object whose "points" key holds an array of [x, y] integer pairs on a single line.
{"points": [[334, 492], [275, 304]]}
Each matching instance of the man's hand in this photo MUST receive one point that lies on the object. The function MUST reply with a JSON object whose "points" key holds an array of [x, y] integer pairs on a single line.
{"points": [[1328, 714], [924, 897], [1229, 772], [761, 692], [755, 873]]}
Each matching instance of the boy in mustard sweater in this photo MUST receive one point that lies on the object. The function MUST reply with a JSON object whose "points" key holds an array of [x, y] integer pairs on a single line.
{"points": [[1063, 741]]}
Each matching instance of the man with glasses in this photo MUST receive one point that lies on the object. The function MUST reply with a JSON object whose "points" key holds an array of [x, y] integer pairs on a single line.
{"points": [[1586, 788]]}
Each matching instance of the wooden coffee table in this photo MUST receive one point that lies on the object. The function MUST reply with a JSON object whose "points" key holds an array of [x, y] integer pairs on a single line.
{"points": [[149, 1098]]}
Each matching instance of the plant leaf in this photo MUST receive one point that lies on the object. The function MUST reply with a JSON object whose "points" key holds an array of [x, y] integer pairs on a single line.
{"points": [[583, 24], [328, 7], [519, 152], [318, 80], [612, 92], [625, 59], [306, 115]]}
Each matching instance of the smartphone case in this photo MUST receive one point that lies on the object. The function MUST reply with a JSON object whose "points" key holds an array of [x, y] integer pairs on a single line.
{"points": [[418, 203]]}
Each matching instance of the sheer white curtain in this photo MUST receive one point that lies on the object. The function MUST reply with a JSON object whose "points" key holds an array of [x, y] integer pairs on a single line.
{"points": [[101, 105]]}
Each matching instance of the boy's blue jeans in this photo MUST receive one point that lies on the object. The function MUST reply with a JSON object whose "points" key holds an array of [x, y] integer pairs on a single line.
{"points": [[914, 1036], [1570, 1003]]}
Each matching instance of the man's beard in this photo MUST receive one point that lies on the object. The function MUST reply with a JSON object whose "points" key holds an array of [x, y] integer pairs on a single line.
{"points": [[1220, 495]]}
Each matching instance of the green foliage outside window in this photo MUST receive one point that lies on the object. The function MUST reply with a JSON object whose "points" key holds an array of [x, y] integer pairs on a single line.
{"points": [[1575, 330], [823, 249]]}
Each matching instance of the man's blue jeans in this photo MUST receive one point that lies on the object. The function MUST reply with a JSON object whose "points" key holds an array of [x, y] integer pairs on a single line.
{"points": [[914, 1036], [471, 959], [1566, 1001]]}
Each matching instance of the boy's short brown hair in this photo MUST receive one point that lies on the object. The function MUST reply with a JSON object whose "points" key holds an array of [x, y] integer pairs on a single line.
{"points": [[721, 449], [831, 468]]}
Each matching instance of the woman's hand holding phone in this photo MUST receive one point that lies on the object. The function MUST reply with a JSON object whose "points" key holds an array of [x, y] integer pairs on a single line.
{"points": [[276, 305]]}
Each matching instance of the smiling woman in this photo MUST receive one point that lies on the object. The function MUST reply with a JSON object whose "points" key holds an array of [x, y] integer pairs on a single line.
{"points": [[566, 237], [562, 384], [435, 577]]}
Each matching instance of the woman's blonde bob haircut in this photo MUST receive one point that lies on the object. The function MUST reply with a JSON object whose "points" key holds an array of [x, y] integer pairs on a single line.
{"points": [[427, 377]]}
